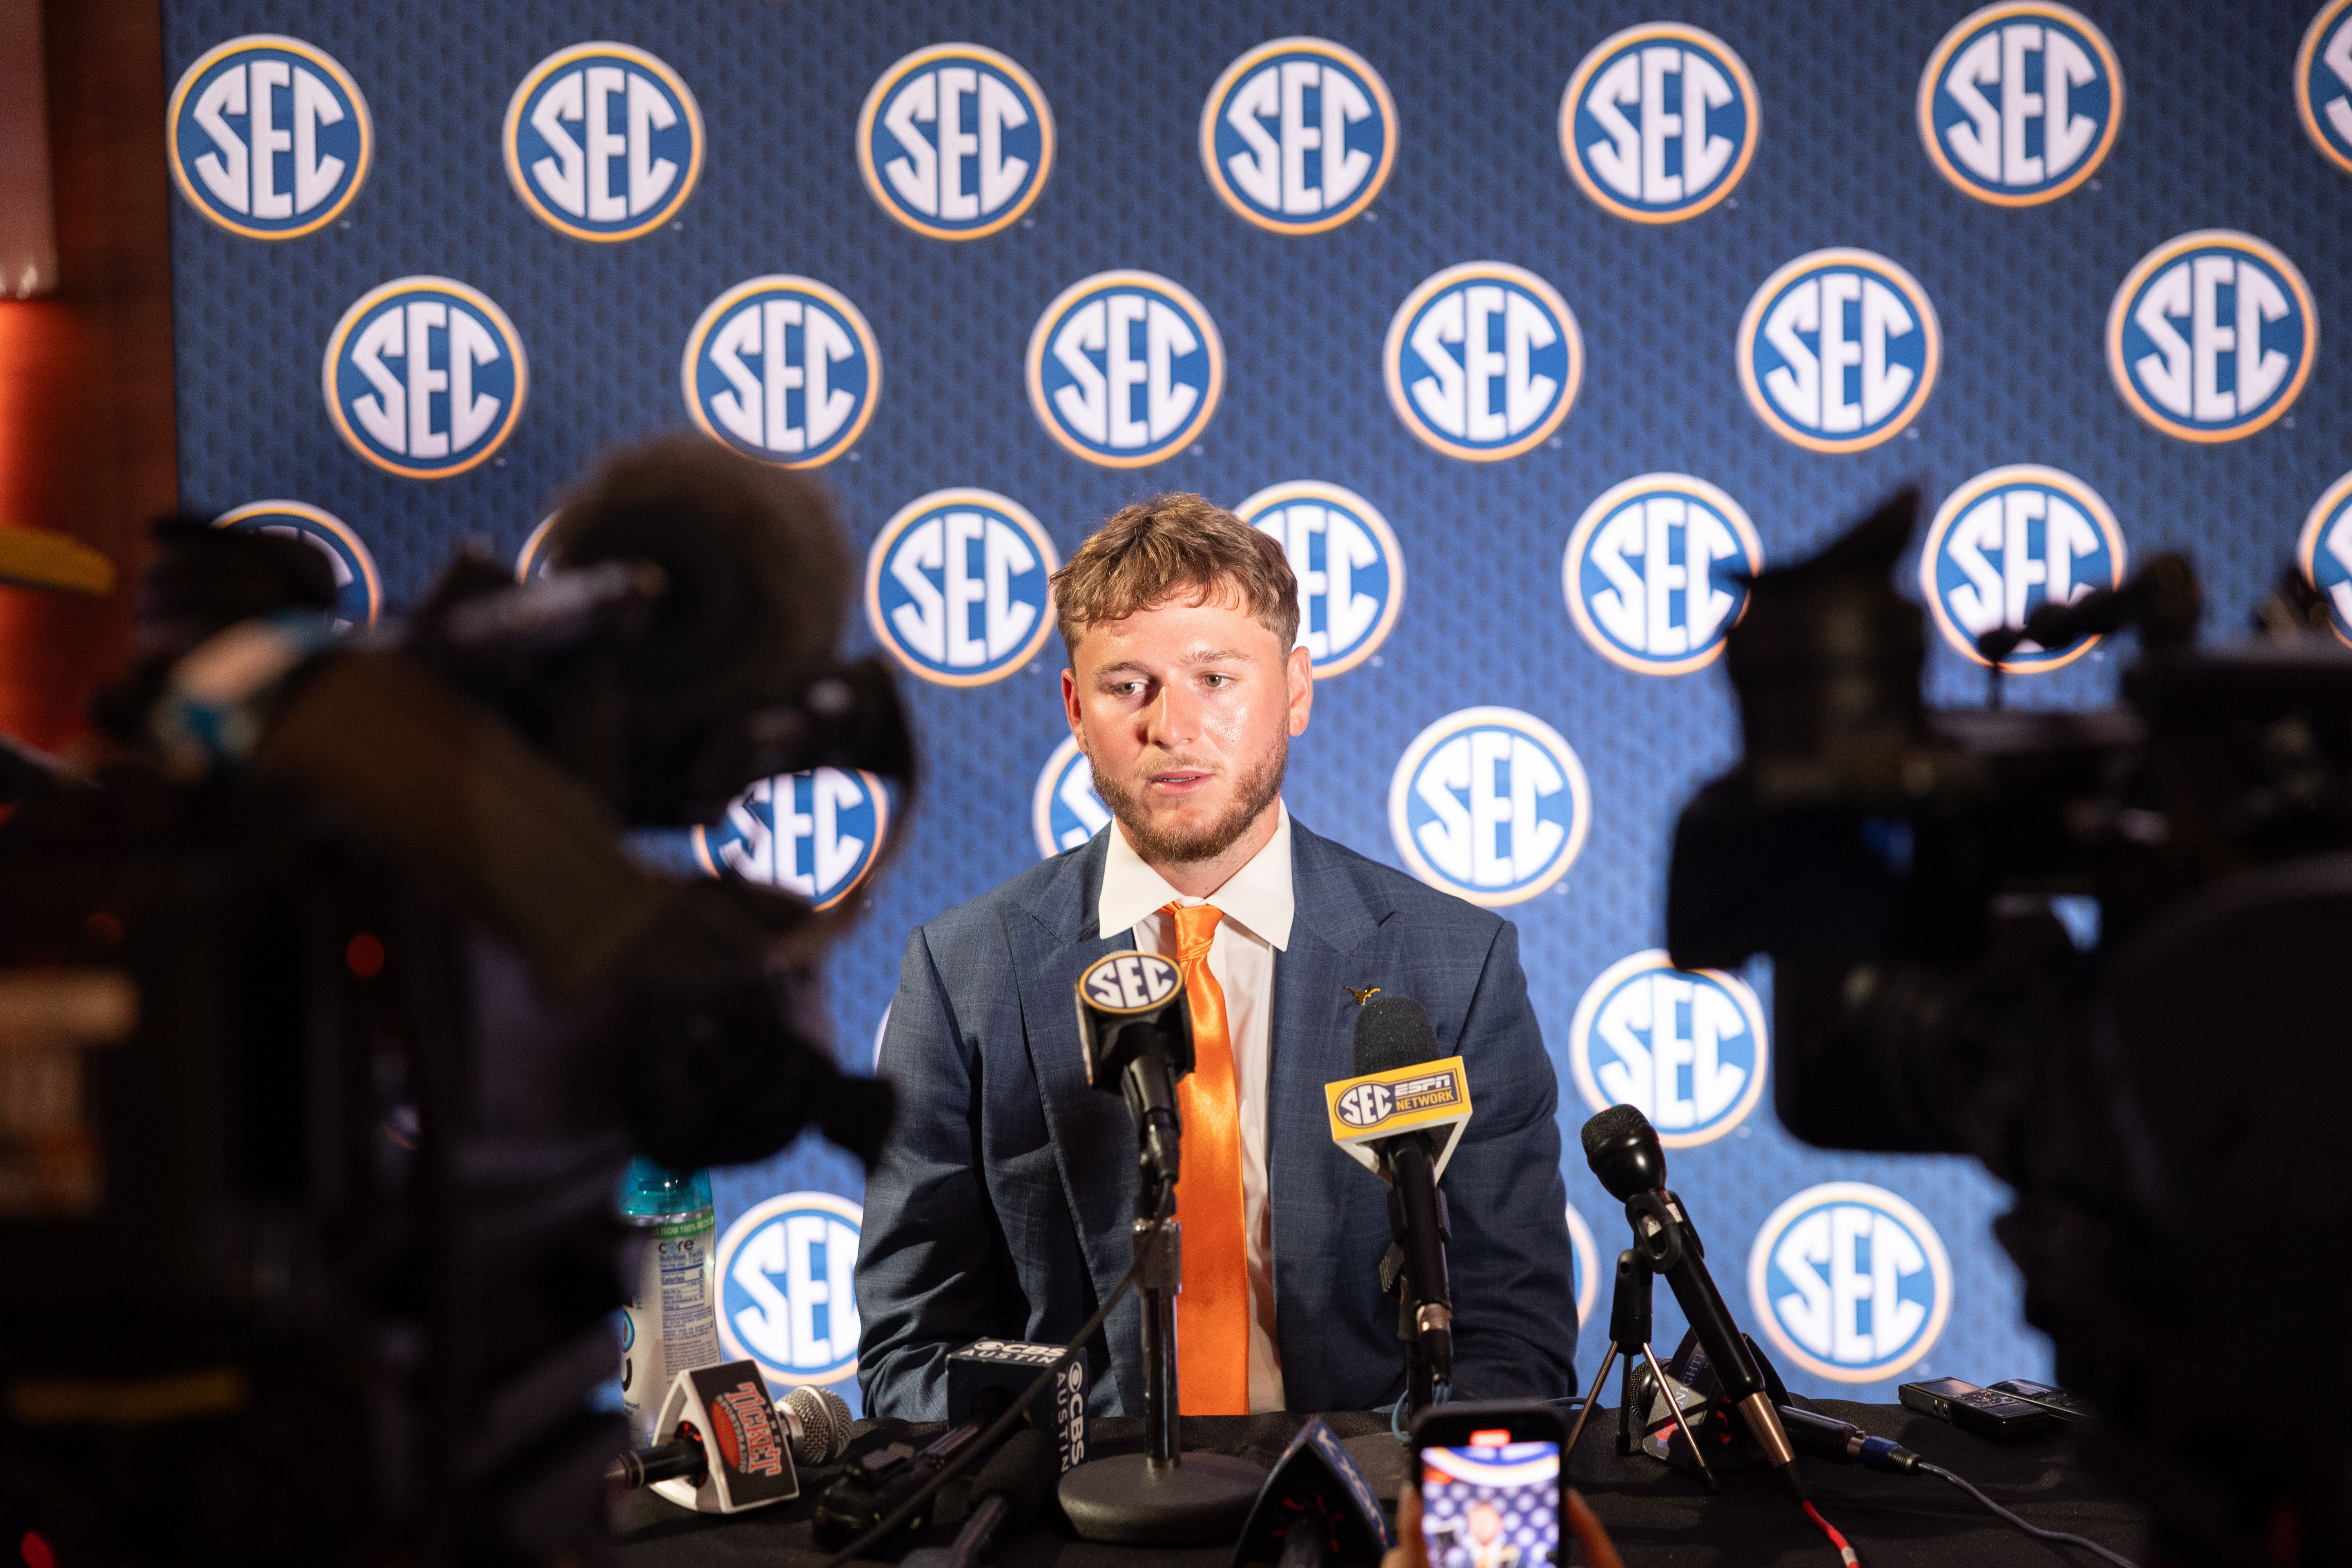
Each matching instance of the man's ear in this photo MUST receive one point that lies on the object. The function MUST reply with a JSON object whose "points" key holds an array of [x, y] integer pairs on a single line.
{"points": [[1299, 670], [1070, 699]]}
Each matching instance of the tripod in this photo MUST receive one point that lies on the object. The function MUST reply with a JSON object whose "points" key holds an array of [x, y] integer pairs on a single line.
{"points": [[1629, 1330]]}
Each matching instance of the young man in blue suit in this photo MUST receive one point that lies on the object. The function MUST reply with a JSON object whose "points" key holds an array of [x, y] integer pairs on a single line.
{"points": [[1001, 1206]]}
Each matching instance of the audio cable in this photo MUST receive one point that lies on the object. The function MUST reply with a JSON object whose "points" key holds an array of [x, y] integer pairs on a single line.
{"points": [[2060, 1536], [1845, 1551], [1003, 1423]]}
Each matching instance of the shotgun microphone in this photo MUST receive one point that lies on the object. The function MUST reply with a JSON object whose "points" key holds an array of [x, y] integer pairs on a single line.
{"points": [[1623, 1151]]}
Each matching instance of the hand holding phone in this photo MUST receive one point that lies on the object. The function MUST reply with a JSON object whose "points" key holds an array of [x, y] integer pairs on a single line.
{"points": [[1492, 1489]]}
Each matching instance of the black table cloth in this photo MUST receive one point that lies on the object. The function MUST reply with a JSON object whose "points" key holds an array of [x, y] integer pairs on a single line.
{"points": [[1658, 1516]]}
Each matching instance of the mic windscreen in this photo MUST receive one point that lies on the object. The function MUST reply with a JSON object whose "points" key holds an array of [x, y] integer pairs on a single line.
{"points": [[1394, 1032], [1023, 1471], [1613, 1122]]}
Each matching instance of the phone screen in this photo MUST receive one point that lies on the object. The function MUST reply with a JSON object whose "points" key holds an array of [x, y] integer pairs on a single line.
{"points": [[1491, 1503]]}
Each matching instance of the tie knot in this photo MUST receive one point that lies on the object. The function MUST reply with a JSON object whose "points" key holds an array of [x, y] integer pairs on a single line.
{"points": [[1196, 928]]}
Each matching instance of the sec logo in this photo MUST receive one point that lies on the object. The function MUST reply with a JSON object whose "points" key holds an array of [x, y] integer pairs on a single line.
{"points": [[534, 561], [955, 141], [1130, 981], [1125, 369], [1483, 361], [1850, 1282], [359, 592], [2325, 552], [819, 376], [1064, 809], [1366, 1104], [815, 834], [1490, 804], [2019, 103], [1299, 135], [1686, 1047], [786, 1298], [959, 586], [1659, 122], [2240, 356], [459, 389], [1655, 572], [1839, 349], [1350, 571], [270, 137], [2322, 83], [1584, 1254], [2009, 541], [603, 142]]}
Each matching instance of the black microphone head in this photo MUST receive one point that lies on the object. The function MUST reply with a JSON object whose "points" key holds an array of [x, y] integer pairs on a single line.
{"points": [[1623, 1151], [1023, 1472], [1394, 1032]]}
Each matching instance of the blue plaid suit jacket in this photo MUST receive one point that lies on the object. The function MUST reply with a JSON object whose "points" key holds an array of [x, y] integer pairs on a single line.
{"points": [[1001, 1204]]}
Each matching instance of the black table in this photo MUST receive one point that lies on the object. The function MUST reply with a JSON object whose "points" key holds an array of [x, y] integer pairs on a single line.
{"points": [[1657, 1515]]}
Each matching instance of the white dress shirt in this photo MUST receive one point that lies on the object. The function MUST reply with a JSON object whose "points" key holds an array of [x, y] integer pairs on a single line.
{"points": [[1256, 904]]}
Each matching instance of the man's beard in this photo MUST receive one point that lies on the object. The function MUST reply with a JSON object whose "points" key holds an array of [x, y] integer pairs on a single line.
{"points": [[1254, 792]]}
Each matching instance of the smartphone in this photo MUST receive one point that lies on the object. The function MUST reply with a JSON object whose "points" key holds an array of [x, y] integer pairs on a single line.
{"points": [[2000, 1416], [1493, 1490]]}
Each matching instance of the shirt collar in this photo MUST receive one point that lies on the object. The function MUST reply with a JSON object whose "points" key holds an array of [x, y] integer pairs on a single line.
{"points": [[1259, 896]]}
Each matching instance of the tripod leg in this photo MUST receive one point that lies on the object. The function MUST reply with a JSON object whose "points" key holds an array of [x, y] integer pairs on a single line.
{"points": [[1666, 1391], [1591, 1393]]}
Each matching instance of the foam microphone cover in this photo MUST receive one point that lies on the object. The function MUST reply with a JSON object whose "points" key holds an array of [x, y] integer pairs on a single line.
{"points": [[1613, 1122], [1394, 1032], [1023, 1472]]}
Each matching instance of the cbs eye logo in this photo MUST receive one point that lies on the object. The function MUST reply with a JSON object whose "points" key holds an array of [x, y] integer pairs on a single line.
{"points": [[1350, 571], [1483, 361], [2007, 542], [819, 375], [786, 1298], [270, 137], [2019, 103], [815, 834], [959, 586], [1489, 804], [1659, 122], [1850, 1282], [603, 142], [1064, 809], [955, 142], [1839, 349], [1655, 571], [1125, 369], [1299, 135], [359, 591], [2212, 335], [460, 388], [1686, 1048], [2325, 552], [2322, 83]]}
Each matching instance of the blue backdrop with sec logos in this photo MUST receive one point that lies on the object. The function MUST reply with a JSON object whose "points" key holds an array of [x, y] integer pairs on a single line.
{"points": [[1524, 327]]}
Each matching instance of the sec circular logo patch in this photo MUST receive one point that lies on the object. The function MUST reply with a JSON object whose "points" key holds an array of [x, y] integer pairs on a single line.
{"points": [[1686, 1047], [818, 380], [959, 586], [1125, 369], [268, 137], [2021, 103], [787, 1293], [1657, 572], [1850, 1282], [2009, 541], [459, 391], [955, 141], [2212, 335], [1299, 135], [1659, 122], [1490, 804], [1350, 569], [1483, 361], [603, 142], [1839, 349]]}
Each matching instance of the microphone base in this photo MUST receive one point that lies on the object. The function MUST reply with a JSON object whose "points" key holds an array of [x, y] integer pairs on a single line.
{"points": [[1126, 1497]]}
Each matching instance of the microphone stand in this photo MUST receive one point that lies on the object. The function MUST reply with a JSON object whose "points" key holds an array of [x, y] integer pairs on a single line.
{"points": [[1629, 1332], [1157, 1496]]}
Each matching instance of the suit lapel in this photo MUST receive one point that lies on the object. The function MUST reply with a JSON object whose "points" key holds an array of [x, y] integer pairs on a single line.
{"points": [[1092, 1138]]}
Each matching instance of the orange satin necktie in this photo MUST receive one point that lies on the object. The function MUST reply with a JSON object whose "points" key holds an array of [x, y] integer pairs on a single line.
{"points": [[1212, 1311]]}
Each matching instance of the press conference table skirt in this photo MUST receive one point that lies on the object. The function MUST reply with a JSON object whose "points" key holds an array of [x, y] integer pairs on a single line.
{"points": [[1657, 1515]]}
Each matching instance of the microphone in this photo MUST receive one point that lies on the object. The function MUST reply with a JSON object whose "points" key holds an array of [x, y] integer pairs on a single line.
{"points": [[1138, 1038], [1622, 1149], [1006, 1495], [815, 1423], [1843, 1443], [1402, 1113]]}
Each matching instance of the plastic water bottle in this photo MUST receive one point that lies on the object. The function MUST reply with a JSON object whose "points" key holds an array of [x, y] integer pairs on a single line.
{"points": [[672, 1322]]}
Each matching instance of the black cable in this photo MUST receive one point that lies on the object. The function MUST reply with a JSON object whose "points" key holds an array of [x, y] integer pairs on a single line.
{"points": [[998, 1427], [2033, 1529]]}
